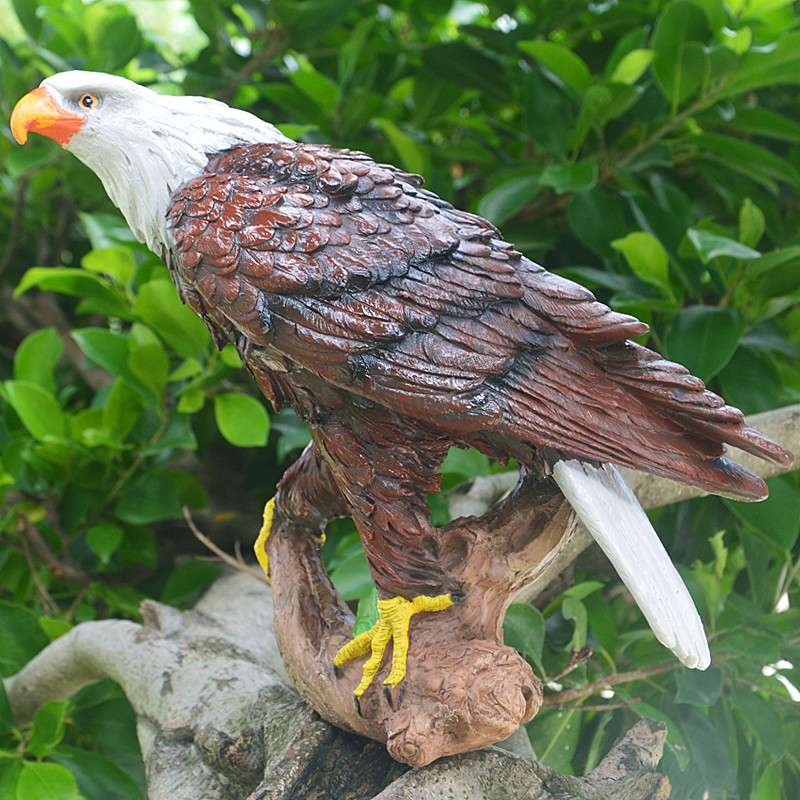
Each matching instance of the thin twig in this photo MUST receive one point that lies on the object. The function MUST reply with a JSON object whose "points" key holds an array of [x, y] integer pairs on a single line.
{"points": [[64, 572], [759, 688], [576, 658], [786, 583], [47, 600], [79, 598], [613, 680], [236, 564], [609, 707]]}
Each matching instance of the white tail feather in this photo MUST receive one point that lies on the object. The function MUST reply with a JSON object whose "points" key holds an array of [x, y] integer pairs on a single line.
{"points": [[609, 509]]}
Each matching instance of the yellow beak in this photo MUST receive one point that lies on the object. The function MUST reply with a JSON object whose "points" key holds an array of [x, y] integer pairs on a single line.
{"points": [[40, 113]]}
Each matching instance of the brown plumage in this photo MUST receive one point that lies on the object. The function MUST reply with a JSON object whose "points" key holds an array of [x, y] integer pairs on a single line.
{"points": [[398, 326]]}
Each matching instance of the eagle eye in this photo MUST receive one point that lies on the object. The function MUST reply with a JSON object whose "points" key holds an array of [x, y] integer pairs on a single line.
{"points": [[88, 101]]}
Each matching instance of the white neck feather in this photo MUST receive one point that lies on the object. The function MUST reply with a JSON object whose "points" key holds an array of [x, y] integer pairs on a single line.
{"points": [[152, 144]]}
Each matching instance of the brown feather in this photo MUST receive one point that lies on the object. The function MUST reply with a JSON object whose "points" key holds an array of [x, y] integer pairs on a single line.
{"points": [[355, 288]]}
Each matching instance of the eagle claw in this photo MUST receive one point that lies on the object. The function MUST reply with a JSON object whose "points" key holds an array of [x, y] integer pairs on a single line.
{"points": [[393, 620]]}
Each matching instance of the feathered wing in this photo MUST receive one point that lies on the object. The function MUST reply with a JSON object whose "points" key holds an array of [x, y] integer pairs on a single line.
{"points": [[355, 273]]}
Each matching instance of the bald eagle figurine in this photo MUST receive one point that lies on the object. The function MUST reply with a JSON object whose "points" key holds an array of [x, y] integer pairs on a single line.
{"points": [[398, 326]]}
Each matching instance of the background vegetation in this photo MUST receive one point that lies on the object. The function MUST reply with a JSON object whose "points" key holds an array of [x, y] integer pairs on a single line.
{"points": [[649, 149]]}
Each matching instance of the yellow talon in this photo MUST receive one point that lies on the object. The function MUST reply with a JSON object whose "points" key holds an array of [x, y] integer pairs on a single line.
{"points": [[263, 534], [393, 619]]}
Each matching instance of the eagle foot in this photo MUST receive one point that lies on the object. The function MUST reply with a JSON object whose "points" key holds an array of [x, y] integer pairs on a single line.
{"points": [[394, 616], [263, 535]]}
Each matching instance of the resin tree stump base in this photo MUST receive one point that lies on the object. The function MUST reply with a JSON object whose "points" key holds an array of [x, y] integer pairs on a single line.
{"points": [[464, 689]]}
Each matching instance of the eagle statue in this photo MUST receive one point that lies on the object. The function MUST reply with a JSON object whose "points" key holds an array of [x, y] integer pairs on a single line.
{"points": [[398, 326]]}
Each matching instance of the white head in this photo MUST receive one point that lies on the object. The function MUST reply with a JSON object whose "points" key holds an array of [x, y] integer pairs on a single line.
{"points": [[142, 145]]}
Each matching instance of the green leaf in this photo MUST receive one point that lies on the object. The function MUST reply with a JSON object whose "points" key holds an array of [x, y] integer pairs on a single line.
{"points": [[762, 646], [511, 196], [573, 609], [597, 218], [114, 36], [98, 777], [783, 257], [554, 737], [708, 749], [351, 577], [150, 364], [230, 357], [36, 359], [578, 177], [316, 86], [191, 367], [54, 628], [74, 282], [770, 784], [111, 351], [37, 409], [632, 66], [367, 614], [105, 230], [109, 723], [751, 160], [187, 581], [241, 419], [118, 262], [159, 306], [595, 106], [465, 464], [523, 629], [679, 63], [767, 66], [152, 498], [104, 539], [602, 622], [294, 434], [710, 246], [466, 66], [765, 122], [758, 715], [699, 688], [751, 223], [46, 781], [22, 637], [192, 400], [27, 16], [777, 517], [48, 728], [646, 257], [190, 490], [562, 62], [9, 776], [548, 113], [413, 156], [703, 338], [750, 382], [122, 410], [179, 434], [7, 724]]}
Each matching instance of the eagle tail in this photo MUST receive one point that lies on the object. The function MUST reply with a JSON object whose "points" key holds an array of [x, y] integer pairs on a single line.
{"points": [[611, 512]]}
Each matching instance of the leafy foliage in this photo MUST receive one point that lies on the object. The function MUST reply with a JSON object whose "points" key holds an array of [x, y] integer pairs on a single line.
{"points": [[649, 151]]}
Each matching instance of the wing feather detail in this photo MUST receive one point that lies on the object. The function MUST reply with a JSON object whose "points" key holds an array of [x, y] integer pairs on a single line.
{"points": [[354, 272]]}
